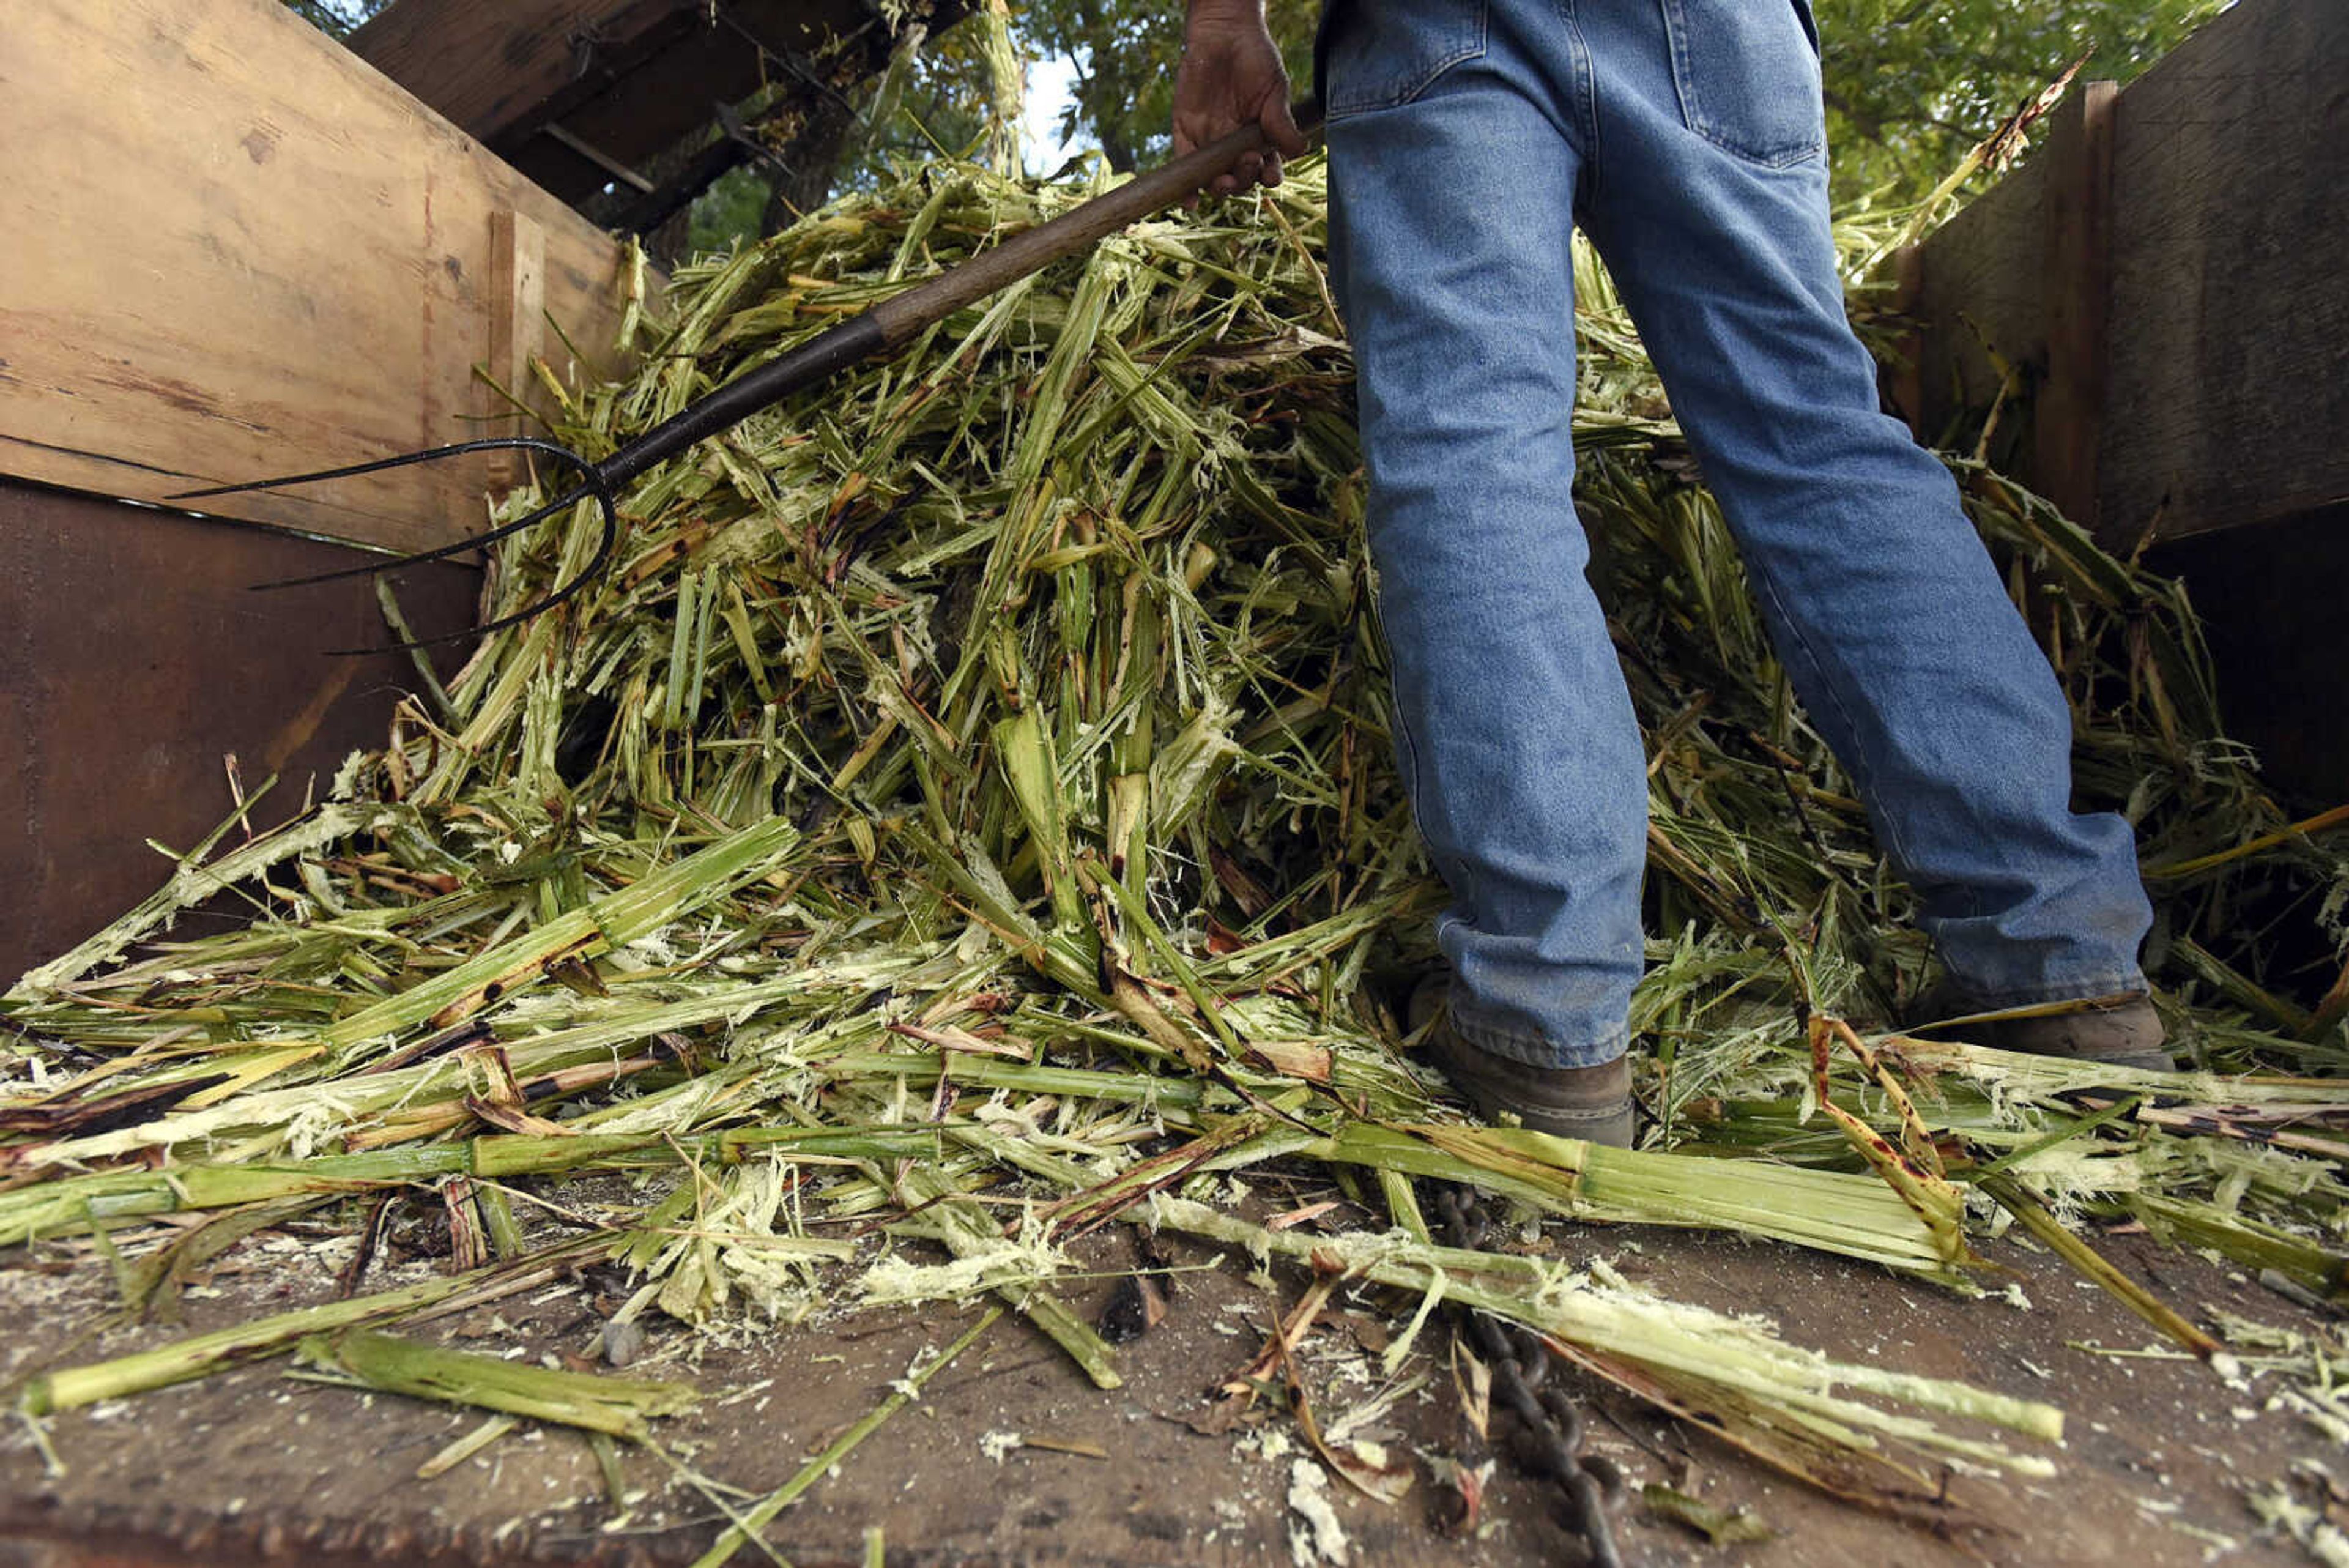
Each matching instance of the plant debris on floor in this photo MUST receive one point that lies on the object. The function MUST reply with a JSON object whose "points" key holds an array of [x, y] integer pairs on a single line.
{"points": [[963, 819]]}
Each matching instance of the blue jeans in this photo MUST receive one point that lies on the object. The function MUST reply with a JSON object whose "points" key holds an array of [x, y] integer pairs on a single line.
{"points": [[1465, 137]]}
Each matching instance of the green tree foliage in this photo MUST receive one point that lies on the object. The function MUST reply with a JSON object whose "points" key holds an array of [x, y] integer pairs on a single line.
{"points": [[336, 18], [1911, 85], [1125, 53]]}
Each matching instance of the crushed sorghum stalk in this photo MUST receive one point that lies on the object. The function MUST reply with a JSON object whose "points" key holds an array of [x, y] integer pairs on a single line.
{"points": [[973, 782]]}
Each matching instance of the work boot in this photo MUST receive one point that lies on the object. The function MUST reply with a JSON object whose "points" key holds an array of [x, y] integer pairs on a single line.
{"points": [[2105, 1030], [1593, 1104]]}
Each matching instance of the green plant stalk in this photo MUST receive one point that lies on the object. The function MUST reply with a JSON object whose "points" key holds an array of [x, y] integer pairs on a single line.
{"points": [[1852, 1216], [2016, 1200], [2248, 1243], [968, 1233], [192, 882], [70, 1205], [202, 1354], [618, 1406], [496, 1219], [612, 921], [1711, 1350]]}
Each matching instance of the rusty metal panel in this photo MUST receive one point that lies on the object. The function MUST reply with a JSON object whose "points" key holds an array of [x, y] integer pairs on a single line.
{"points": [[136, 658]]}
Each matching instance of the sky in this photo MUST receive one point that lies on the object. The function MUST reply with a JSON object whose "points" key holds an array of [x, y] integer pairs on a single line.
{"points": [[1052, 81]]}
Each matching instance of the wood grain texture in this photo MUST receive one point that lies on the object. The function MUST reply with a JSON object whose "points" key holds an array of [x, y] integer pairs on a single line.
{"points": [[495, 70], [627, 78], [1981, 290], [2211, 274], [136, 658], [237, 251], [2229, 397], [2068, 415], [517, 313]]}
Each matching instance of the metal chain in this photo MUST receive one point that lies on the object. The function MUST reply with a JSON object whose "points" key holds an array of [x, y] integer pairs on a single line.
{"points": [[1589, 1485]]}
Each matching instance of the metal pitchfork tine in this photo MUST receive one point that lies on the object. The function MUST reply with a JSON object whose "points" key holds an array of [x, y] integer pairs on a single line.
{"points": [[593, 483], [882, 329]]}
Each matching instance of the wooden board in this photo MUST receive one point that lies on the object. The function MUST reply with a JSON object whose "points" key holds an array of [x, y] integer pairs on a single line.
{"points": [[2271, 600], [2229, 361], [627, 78], [1981, 288], [136, 660], [236, 250], [491, 68], [2167, 271], [2068, 413]]}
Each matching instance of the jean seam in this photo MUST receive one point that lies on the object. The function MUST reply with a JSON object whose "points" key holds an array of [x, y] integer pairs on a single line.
{"points": [[1407, 760], [1692, 115], [1343, 108], [1586, 82], [1532, 1049]]}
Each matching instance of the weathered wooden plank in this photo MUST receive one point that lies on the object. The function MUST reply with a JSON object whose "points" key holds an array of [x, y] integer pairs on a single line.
{"points": [[1980, 289], [2068, 414], [498, 70], [137, 660], [235, 251], [627, 78], [2229, 371], [517, 301]]}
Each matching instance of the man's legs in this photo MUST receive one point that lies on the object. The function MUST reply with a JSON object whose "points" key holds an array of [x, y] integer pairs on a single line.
{"points": [[1462, 134], [1454, 152], [1708, 200]]}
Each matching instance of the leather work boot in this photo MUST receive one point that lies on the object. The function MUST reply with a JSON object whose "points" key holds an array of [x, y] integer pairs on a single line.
{"points": [[2107, 1031], [1593, 1104]]}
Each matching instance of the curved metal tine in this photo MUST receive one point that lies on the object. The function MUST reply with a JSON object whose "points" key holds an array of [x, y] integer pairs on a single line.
{"points": [[601, 489], [430, 454], [568, 499]]}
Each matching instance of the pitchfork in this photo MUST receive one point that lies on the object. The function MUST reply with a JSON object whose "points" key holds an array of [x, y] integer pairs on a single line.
{"points": [[882, 329]]}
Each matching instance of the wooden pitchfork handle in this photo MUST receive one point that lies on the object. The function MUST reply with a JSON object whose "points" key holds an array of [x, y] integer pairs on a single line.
{"points": [[895, 322], [880, 329]]}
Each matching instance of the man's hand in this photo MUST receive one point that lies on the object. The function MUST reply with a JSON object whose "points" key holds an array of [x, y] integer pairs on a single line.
{"points": [[1231, 76]]}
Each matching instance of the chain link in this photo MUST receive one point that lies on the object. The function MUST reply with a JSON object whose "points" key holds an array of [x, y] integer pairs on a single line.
{"points": [[1589, 1485]]}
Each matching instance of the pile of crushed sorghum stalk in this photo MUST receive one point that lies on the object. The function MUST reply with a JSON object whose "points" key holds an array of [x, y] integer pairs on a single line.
{"points": [[972, 780]]}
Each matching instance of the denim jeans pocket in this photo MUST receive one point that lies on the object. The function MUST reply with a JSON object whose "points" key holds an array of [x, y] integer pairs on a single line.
{"points": [[1377, 54], [1748, 75]]}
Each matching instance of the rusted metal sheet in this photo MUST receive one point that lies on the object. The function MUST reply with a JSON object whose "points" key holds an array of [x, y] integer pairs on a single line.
{"points": [[136, 658]]}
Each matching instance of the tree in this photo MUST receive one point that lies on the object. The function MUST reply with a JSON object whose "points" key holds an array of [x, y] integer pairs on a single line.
{"points": [[1125, 52], [1912, 85], [336, 18]]}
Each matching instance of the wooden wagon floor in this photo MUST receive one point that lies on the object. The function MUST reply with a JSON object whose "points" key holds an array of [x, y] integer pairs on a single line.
{"points": [[252, 1467]]}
